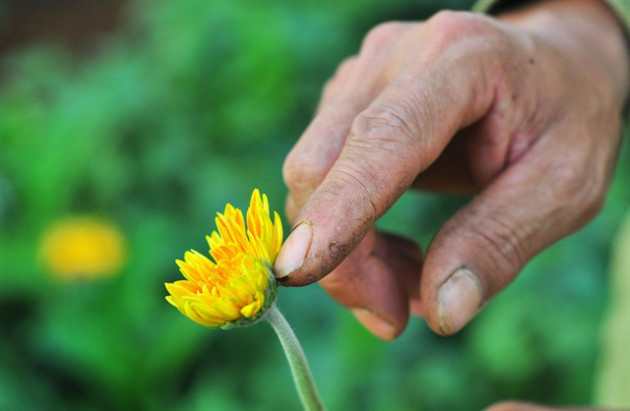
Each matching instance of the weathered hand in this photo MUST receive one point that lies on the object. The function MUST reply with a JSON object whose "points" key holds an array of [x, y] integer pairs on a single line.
{"points": [[524, 110]]}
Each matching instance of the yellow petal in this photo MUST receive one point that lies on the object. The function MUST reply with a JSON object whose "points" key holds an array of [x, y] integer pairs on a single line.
{"points": [[251, 310]]}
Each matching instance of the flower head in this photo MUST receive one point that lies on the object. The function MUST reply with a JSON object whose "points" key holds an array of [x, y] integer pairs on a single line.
{"points": [[237, 287], [82, 247]]}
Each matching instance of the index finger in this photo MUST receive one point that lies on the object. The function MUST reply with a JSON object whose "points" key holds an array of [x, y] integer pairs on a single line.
{"points": [[400, 134]]}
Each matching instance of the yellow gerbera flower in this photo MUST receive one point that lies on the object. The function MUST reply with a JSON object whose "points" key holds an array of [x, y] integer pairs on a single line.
{"points": [[82, 247], [237, 287]]}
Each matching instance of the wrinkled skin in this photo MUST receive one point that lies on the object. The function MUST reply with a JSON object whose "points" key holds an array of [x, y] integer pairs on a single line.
{"points": [[524, 110]]}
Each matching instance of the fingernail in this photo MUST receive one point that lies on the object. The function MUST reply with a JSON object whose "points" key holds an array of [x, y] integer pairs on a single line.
{"points": [[459, 299], [375, 324], [294, 251]]}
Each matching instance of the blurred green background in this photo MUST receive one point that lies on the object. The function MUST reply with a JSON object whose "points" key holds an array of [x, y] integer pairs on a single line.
{"points": [[179, 108]]}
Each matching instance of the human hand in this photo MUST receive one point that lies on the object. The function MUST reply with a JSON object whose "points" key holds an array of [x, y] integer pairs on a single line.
{"points": [[524, 110]]}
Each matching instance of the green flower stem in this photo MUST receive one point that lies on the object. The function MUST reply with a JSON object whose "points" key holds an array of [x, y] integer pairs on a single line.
{"points": [[299, 367]]}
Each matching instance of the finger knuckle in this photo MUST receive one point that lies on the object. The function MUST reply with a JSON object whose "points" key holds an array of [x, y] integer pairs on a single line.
{"points": [[344, 71], [346, 67], [449, 27], [379, 36], [578, 189], [386, 124], [302, 172], [505, 406], [505, 248], [448, 21], [388, 131], [568, 181]]}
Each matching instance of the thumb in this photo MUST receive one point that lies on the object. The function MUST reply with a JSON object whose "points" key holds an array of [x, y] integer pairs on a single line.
{"points": [[481, 249]]}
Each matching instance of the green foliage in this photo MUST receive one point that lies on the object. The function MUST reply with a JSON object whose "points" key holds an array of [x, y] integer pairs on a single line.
{"points": [[191, 105]]}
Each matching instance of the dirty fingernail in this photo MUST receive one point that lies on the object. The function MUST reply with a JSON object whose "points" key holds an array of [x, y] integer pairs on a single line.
{"points": [[459, 299], [294, 251]]}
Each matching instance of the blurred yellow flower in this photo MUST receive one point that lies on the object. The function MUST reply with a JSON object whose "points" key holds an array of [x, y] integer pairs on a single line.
{"points": [[238, 286], [82, 247]]}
